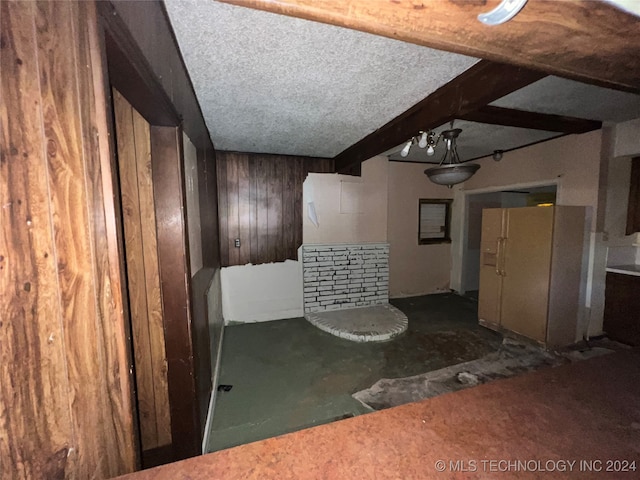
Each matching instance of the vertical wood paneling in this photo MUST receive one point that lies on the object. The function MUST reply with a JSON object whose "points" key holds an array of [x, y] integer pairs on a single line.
{"points": [[56, 359], [120, 453], [135, 252], [298, 202], [262, 173], [134, 161], [35, 421], [253, 211], [288, 208], [223, 211], [69, 202], [263, 204], [208, 207], [155, 320], [145, 60], [233, 206], [274, 210], [200, 328], [244, 210], [65, 391]]}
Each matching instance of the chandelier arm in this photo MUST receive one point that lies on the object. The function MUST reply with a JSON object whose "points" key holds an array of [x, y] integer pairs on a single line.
{"points": [[454, 151]]}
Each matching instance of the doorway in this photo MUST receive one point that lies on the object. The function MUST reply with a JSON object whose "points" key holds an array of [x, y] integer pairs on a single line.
{"points": [[474, 204], [161, 165], [133, 146]]}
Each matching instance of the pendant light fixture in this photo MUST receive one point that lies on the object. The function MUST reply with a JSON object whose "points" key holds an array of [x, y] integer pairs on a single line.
{"points": [[450, 171]]}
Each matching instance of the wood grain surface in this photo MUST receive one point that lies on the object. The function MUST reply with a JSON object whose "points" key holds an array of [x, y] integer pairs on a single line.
{"points": [[34, 384], [134, 161], [113, 333], [65, 392], [175, 278], [592, 42], [158, 363], [260, 203]]}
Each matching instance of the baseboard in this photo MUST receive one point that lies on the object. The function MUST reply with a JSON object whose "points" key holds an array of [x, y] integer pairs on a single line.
{"points": [[212, 398]]}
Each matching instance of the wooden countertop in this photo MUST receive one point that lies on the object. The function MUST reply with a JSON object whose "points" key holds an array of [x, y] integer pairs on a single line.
{"points": [[588, 411]]}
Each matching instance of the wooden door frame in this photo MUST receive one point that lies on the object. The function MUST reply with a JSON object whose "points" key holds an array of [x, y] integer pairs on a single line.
{"points": [[126, 69]]}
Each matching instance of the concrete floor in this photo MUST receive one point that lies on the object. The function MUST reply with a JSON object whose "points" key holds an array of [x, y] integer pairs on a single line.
{"points": [[580, 420], [288, 375]]}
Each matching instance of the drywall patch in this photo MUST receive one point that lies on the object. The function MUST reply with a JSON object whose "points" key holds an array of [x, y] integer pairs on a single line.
{"points": [[259, 293]]}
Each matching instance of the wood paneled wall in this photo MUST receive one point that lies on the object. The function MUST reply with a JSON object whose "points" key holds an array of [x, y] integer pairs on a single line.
{"points": [[65, 404], [143, 57], [143, 276], [175, 277], [260, 203], [208, 190]]}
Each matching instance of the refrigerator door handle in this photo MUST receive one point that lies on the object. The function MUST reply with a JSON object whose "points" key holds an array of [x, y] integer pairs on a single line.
{"points": [[498, 255], [501, 258]]}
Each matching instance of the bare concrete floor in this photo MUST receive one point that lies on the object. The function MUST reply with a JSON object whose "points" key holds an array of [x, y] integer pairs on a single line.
{"points": [[288, 375], [580, 420]]}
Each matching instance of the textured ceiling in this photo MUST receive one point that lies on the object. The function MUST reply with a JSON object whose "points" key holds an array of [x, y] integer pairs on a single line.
{"points": [[274, 84], [566, 97]]}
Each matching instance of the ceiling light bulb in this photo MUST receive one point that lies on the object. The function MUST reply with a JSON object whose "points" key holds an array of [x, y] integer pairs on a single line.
{"points": [[405, 150], [430, 150], [423, 140]]}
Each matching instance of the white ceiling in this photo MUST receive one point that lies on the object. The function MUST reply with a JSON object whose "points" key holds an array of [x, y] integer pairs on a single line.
{"points": [[274, 84], [559, 96]]}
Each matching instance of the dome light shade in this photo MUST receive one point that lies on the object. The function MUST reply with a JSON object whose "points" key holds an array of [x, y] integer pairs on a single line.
{"points": [[450, 171], [451, 174]]}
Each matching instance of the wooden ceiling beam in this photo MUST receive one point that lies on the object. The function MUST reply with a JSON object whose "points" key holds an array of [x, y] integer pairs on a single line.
{"points": [[474, 88], [533, 120], [592, 42]]}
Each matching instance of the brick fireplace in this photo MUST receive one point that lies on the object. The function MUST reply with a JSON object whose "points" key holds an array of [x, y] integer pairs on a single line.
{"points": [[341, 276]]}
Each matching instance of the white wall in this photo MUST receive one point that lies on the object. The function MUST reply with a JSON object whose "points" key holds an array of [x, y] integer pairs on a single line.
{"points": [[414, 269], [381, 206], [627, 139], [216, 334], [573, 164], [257, 293], [349, 209], [193, 204]]}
